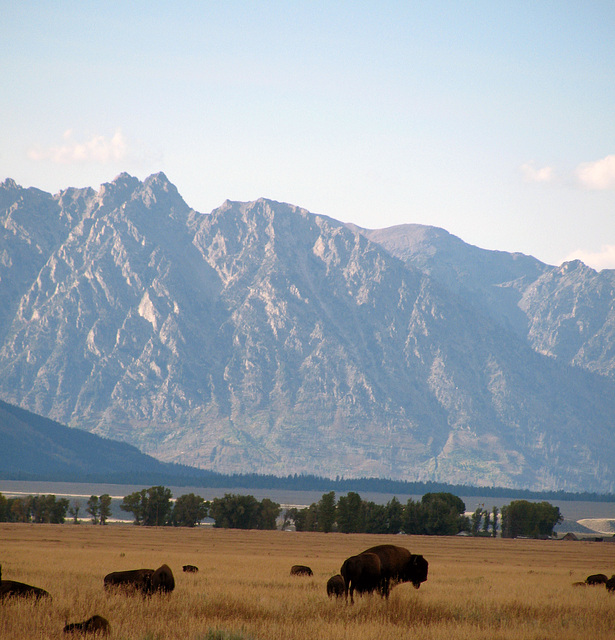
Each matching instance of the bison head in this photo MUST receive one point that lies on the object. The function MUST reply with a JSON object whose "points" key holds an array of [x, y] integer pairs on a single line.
{"points": [[416, 570]]}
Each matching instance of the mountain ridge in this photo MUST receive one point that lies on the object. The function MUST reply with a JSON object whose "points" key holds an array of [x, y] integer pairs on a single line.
{"points": [[263, 338]]}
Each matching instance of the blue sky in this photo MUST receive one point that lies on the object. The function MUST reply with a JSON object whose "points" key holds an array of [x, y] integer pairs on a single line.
{"points": [[493, 120]]}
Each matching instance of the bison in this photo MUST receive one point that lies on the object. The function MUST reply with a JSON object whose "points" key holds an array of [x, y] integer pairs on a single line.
{"points": [[300, 570], [396, 565], [610, 583], [399, 565], [147, 581], [190, 568], [336, 586], [596, 578], [361, 573], [14, 589], [95, 624]]}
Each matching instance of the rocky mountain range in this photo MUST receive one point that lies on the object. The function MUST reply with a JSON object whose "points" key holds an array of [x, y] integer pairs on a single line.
{"points": [[264, 338]]}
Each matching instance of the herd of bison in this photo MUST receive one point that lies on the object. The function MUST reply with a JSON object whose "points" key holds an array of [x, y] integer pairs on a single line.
{"points": [[375, 570]]}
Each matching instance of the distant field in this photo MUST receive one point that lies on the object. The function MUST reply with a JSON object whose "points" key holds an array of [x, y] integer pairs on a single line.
{"points": [[477, 588]]}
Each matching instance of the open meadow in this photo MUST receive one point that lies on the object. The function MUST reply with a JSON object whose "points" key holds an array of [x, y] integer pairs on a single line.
{"points": [[477, 587]]}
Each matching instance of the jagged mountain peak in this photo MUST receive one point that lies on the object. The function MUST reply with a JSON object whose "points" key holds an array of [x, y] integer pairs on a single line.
{"points": [[577, 267], [156, 193], [9, 184], [119, 189]]}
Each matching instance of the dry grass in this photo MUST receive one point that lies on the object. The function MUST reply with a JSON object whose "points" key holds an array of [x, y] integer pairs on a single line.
{"points": [[477, 588]]}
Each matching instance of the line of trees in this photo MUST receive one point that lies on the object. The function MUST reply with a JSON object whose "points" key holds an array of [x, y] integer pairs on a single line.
{"points": [[154, 507], [45, 508], [440, 513], [435, 514]]}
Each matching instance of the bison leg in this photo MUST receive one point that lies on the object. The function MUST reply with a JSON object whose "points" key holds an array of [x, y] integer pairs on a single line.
{"points": [[385, 588], [350, 587]]}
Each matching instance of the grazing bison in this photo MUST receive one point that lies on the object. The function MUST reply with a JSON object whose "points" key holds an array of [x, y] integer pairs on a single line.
{"points": [[361, 573], [190, 568], [300, 570], [399, 565], [596, 578], [396, 565], [13, 589], [610, 583], [147, 581], [163, 579], [95, 624], [336, 586]]}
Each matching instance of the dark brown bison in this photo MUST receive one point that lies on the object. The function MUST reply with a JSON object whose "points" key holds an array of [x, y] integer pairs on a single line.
{"points": [[596, 578], [399, 565], [14, 589], [610, 583], [396, 565], [95, 624], [336, 586], [300, 570], [361, 573], [190, 568], [163, 579], [146, 581]]}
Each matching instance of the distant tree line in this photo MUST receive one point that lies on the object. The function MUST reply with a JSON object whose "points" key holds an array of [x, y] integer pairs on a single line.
{"points": [[154, 507], [45, 508], [435, 514], [439, 513], [183, 476]]}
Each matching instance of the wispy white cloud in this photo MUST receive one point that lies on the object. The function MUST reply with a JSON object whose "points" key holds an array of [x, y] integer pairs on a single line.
{"points": [[98, 149], [598, 175], [603, 259], [543, 174]]}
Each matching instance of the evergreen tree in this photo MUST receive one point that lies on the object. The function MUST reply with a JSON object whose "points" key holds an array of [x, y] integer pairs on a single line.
{"points": [[350, 513], [394, 516], [375, 517]]}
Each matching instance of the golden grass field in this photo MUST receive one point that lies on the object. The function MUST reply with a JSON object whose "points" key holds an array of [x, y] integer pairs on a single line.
{"points": [[477, 588]]}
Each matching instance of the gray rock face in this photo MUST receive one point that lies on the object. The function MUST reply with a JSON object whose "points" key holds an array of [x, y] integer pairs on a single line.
{"points": [[263, 338]]}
